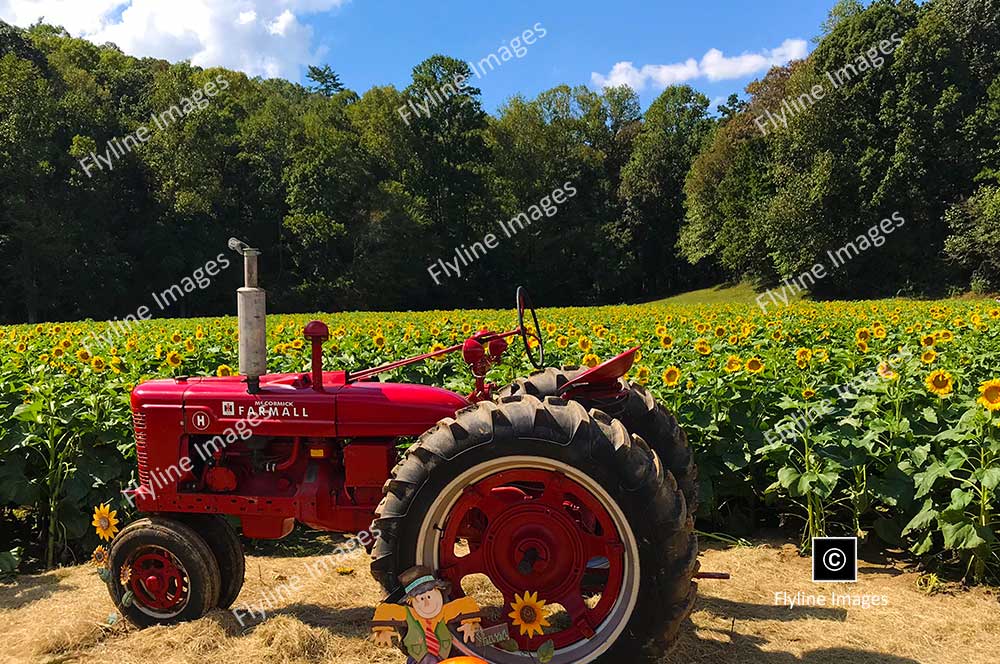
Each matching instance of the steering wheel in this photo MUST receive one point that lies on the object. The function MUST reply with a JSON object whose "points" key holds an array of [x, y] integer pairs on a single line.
{"points": [[524, 305]]}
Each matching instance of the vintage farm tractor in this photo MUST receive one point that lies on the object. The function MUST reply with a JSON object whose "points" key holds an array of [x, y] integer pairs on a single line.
{"points": [[573, 484]]}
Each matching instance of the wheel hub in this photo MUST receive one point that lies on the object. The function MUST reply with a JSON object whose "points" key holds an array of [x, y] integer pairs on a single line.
{"points": [[538, 531], [533, 547]]}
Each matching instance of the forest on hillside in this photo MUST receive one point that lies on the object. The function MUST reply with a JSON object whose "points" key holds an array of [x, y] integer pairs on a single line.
{"points": [[895, 112]]}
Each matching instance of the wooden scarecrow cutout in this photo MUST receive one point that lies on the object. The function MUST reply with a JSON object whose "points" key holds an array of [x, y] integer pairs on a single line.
{"points": [[423, 621]]}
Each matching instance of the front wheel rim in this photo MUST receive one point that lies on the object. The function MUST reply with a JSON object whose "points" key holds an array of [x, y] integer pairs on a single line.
{"points": [[160, 584], [546, 527]]}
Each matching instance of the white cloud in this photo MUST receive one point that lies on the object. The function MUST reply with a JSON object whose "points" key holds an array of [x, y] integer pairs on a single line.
{"points": [[283, 24], [714, 66], [259, 37]]}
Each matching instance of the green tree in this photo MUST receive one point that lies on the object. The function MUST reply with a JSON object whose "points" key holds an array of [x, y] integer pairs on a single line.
{"points": [[31, 235], [325, 80], [674, 130]]}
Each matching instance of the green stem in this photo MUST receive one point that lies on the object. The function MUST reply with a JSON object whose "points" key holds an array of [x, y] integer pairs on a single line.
{"points": [[50, 553]]}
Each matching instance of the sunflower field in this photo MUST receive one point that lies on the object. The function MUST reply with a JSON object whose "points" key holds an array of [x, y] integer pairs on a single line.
{"points": [[880, 419]]}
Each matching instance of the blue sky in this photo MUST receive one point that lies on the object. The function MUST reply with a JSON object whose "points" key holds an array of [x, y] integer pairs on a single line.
{"points": [[380, 42], [377, 42]]}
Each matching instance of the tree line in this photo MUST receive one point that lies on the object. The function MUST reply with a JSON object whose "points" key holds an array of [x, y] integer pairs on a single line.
{"points": [[351, 204]]}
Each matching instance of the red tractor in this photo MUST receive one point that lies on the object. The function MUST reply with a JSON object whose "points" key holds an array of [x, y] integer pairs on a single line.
{"points": [[573, 484]]}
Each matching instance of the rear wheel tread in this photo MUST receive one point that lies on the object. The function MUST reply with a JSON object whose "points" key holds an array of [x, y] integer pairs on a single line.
{"points": [[641, 414]]}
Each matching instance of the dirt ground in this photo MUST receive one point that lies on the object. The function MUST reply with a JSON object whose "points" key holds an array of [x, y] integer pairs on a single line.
{"points": [[62, 616]]}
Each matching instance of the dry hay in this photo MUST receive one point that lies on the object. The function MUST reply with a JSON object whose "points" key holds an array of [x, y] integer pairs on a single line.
{"points": [[61, 617]]}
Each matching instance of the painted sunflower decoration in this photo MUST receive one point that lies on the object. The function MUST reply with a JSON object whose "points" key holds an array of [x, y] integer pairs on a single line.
{"points": [[529, 614], [100, 557], [105, 522]]}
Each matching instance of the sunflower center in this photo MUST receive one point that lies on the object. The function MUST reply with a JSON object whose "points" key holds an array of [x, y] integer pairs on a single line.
{"points": [[992, 394], [940, 382], [528, 614], [105, 522]]}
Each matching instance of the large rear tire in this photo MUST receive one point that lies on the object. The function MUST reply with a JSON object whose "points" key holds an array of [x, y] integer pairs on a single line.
{"points": [[641, 414], [546, 497]]}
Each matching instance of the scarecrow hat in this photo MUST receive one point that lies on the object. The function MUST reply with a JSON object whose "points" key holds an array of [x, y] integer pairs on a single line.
{"points": [[419, 579]]}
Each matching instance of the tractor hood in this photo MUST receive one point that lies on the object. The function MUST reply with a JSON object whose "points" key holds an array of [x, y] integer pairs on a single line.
{"points": [[286, 405], [371, 409]]}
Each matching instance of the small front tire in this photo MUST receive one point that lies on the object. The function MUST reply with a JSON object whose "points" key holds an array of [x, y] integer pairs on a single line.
{"points": [[172, 574]]}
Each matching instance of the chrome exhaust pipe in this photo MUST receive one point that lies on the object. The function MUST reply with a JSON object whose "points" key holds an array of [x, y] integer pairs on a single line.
{"points": [[251, 308]]}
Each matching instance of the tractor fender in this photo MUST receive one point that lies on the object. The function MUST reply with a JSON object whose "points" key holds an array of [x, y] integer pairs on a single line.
{"points": [[371, 409]]}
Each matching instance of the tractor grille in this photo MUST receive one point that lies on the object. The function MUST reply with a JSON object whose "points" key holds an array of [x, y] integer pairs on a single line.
{"points": [[139, 423]]}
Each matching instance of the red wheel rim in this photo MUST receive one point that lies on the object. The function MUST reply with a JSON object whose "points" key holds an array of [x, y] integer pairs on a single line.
{"points": [[159, 582], [538, 531]]}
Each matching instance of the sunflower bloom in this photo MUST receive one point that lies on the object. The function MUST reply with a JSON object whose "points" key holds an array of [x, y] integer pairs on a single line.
{"points": [[174, 359], [591, 360], [940, 382], [224, 370], [754, 365], [928, 356], [990, 395], [733, 364], [671, 376], [944, 336]]}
